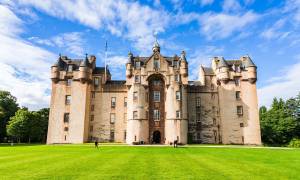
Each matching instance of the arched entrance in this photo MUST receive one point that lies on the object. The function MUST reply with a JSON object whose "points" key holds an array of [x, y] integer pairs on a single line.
{"points": [[156, 137], [156, 108]]}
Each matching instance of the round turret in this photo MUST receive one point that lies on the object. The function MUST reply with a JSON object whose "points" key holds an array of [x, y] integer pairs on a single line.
{"points": [[129, 65], [222, 70], [250, 68], [183, 64], [83, 70], [55, 70]]}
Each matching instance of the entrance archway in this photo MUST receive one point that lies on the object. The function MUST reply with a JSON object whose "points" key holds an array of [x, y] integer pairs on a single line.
{"points": [[156, 137]]}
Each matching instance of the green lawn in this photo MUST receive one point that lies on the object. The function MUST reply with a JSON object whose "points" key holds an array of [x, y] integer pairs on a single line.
{"points": [[134, 162]]}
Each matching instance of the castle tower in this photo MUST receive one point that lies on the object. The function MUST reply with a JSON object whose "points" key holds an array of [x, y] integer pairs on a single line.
{"points": [[70, 98]]}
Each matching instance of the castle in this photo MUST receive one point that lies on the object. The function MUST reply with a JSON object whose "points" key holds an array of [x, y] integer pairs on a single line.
{"points": [[156, 104]]}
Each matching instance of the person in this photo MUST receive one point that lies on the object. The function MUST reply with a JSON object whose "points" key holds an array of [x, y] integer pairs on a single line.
{"points": [[96, 144], [175, 143]]}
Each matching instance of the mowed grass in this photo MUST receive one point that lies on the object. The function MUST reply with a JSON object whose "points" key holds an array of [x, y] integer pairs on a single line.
{"points": [[134, 162]]}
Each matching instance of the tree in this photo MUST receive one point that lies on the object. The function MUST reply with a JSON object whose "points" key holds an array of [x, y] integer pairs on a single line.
{"points": [[8, 107], [20, 124], [29, 126], [278, 124]]}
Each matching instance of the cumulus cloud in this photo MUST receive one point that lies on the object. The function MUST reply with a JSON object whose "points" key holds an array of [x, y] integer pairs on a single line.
{"points": [[206, 2], [131, 20], [24, 67], [231, 5], [285, 85], [223, 25]]}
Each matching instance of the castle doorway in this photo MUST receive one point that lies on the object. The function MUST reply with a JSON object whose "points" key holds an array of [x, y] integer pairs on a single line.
{"points": [[156, 137], [156, 106]]}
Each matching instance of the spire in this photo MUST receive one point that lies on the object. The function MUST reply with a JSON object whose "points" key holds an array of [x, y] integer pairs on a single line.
{"points": [[156, 47], [85, 62], [222, 62], [58, 61], [130, 56], [182, 56], [248, 62]]}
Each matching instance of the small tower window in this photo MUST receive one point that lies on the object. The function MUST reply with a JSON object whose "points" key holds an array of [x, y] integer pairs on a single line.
{"points": [[113, 102], [135, 115], [92, 117], [156, 115], [135, 95], [70, 68], [239, 110], [137, 64], [178, 95], [137, 78], [66, 129], [69, 82], [198, 102], [156, 64], [156, 96], [176, 64], [237, 81], [68, 100], [238, 95], [112, 118], [66, 117], [96, 81], [177, 77], [125, 101], [198, 117], [178, 114]]}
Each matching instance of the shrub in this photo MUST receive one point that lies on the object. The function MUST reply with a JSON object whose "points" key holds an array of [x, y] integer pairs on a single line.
{"points": [[295, 143]]}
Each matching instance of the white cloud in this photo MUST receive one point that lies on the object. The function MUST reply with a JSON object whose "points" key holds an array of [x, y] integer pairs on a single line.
{"points": [[231, 5], [274, 32], [284, 86], [202, 56], [206, 2], [223, 25], [131, 20], [24, 67]]}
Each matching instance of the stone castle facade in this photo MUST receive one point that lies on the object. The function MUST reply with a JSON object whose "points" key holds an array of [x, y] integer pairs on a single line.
{"points": [[156, 103]]}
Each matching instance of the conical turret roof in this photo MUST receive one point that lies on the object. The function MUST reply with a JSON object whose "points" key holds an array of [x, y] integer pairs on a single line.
{"points": [[248, 62], [222, 62]]}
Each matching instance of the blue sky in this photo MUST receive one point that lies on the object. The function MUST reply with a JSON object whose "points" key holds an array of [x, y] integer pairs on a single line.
{"points": [[34, 32]]}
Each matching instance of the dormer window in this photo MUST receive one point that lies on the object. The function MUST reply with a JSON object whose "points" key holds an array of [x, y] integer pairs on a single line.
{"points": [[137, 64], [177, 77], [70, 68], [156, 64], [176, 64]]}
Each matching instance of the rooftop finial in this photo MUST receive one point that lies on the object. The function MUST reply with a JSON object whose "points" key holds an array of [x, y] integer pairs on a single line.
{"points": [[156, 47], [86, 55]]}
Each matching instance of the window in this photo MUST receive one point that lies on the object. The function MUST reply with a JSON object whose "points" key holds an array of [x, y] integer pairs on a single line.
{"points": [[198, 102], [238, 95], [92, 107], [237, 81], [176, 64], [239, 110], [241, 124], [137, 78], [214, 121], [156, 82], [156, 64], [156, 115], [112, 136], [125, 117], [69, 82], [137, 64], [135, 95], [198, 117], [178, 114], [113, 102], [125, 135], [177, 77], [70, 68], [66, 129], [112, 118], [135, 115], [68, 99], [125, 101], [96, 81], [93, 95], [178, 95], [66, 117], [92, 117], [91, 128], [156, 96]]}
